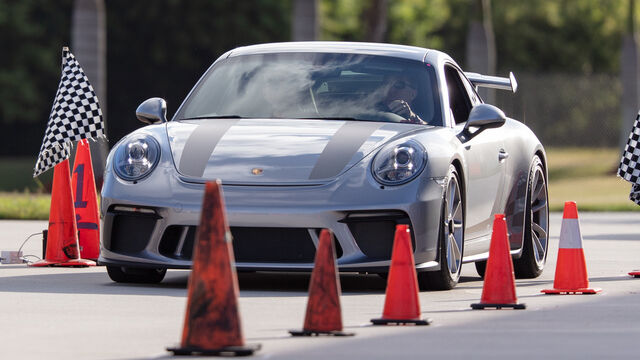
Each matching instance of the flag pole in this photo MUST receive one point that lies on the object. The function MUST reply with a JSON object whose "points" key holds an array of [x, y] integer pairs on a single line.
{"points": [[65, 52]]}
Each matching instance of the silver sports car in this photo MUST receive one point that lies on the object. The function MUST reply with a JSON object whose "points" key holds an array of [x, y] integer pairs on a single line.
{"points": [[351, 137]]}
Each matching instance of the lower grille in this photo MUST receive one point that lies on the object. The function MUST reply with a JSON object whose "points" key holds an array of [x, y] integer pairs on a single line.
{"points": [[266, 245], [374, 231], [250, 244], [177, 242], [129, 231]]}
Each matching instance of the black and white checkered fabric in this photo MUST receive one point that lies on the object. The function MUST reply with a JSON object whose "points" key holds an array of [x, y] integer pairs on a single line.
{"points": [[629, 168], [635, 194], [75, 115]]}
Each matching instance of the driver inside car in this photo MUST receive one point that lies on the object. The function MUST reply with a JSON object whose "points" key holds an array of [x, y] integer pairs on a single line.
{"points": [[401, 92]]}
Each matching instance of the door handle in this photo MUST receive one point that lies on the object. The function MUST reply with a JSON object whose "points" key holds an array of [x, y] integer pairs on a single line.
{"points": [[502, 155]]}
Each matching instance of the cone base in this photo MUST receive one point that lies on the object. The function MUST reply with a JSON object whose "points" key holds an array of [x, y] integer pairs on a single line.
{"points": [[245, 350], [482, 306], [318, 333], [635, 273], [69, 263], [580, 291], [417, 322]]}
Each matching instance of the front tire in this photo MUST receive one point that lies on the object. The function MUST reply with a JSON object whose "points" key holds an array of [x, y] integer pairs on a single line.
{"points": [[451, 238], [536, 225], [481, 267], [135, 275]]}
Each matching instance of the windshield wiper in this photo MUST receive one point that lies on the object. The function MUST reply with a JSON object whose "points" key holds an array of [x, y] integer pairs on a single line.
{"points": [[214, 117], [302, 118], [332, 118]]}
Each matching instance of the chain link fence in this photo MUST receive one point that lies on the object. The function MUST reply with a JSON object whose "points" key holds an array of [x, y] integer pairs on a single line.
{"points": [[567, 109]]}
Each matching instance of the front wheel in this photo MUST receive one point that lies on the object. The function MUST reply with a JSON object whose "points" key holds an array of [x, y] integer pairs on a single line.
{"points": [[451, 238], [135, 275], [536, 225], [481, 267]]}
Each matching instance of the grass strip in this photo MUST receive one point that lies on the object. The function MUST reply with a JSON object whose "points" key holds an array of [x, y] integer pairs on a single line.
{"points": [[24, 206]]}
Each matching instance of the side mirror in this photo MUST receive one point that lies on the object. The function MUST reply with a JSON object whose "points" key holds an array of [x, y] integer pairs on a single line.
{"points": [[152, 111], [485, 116]]}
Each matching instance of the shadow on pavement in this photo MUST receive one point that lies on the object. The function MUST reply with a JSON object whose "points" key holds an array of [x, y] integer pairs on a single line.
{"points": [[87, 282], [258, 284], [62, 281]]}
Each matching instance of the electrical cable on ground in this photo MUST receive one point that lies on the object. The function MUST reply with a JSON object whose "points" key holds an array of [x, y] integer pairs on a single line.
{"points": [[23, 258]]}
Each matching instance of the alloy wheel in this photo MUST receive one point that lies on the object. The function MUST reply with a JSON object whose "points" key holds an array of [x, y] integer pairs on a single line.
{"points": [[453, 227], [539, 216]]}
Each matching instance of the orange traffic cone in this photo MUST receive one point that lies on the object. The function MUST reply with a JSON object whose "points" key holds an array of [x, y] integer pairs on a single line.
{"points": [[323, 306], [401, 303], [212, 320], [62, 238], [86, 202], [571, 267], [499, 289]]}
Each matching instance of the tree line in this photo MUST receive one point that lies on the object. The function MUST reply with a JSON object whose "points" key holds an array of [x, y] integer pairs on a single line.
{"points": [[161, 47]]}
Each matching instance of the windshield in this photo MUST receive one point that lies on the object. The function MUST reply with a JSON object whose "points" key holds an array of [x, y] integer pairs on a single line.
{"points": [[317, 86]]}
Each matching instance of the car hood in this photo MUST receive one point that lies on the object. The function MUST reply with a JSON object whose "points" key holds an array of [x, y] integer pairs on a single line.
{"points": [[275, 151]]}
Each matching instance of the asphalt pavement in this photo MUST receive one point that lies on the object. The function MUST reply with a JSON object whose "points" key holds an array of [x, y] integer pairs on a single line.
{"points": [[62, 313]]}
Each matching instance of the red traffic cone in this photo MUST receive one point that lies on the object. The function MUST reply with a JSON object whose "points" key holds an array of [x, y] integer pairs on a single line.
{"points": [[323, 306], [499, 289], [571, 268], [86, 202], [62, 238], [401, 303], [212, 320]]}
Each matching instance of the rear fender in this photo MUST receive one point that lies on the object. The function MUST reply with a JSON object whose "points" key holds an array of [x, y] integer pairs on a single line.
{"points": [[522, 150]]}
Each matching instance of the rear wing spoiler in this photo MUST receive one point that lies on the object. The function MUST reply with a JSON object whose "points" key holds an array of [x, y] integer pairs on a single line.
{"points": [[494, 82]]}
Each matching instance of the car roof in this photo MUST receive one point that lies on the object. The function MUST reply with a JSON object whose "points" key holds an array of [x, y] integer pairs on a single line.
{"points": [[400, 51]]}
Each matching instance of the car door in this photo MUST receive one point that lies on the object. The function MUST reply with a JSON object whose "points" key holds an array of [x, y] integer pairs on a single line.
{"points": [[485, 164]]}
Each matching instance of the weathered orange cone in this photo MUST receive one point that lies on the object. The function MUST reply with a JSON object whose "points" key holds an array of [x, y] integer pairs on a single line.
{"points": [[571, 268], [62, 238], [324, 316], [212, 320], [499, 289], [85, 202], [401, 303]]}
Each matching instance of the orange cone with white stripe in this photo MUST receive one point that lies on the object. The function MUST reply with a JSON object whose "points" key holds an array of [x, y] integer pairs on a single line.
{"points": [[571, 268]]}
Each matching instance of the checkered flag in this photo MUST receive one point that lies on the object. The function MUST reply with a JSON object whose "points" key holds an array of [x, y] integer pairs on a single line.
{"points": [[75, 115], [629, 168], [635, 194]]}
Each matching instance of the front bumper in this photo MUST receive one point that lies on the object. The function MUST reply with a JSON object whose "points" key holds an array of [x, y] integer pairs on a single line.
{"points": [[153, 223]]}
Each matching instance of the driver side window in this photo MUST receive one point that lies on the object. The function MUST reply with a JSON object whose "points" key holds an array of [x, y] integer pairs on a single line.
{"points": [[459, 102]]}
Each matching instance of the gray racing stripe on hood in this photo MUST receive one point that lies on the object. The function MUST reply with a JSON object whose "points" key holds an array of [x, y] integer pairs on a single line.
{"points": [[341, 148], [200, 145]]}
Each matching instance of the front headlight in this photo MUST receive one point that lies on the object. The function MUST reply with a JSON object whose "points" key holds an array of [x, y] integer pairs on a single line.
{"points": [[399, 163], [136, 157]]}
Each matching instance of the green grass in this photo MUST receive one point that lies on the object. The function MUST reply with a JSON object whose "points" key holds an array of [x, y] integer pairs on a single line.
{"points": [[586, 176], [22, 196], [24, 206]]}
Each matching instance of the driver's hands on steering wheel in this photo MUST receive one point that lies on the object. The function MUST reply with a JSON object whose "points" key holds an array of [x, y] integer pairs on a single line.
{"points": [[402, 108]]}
